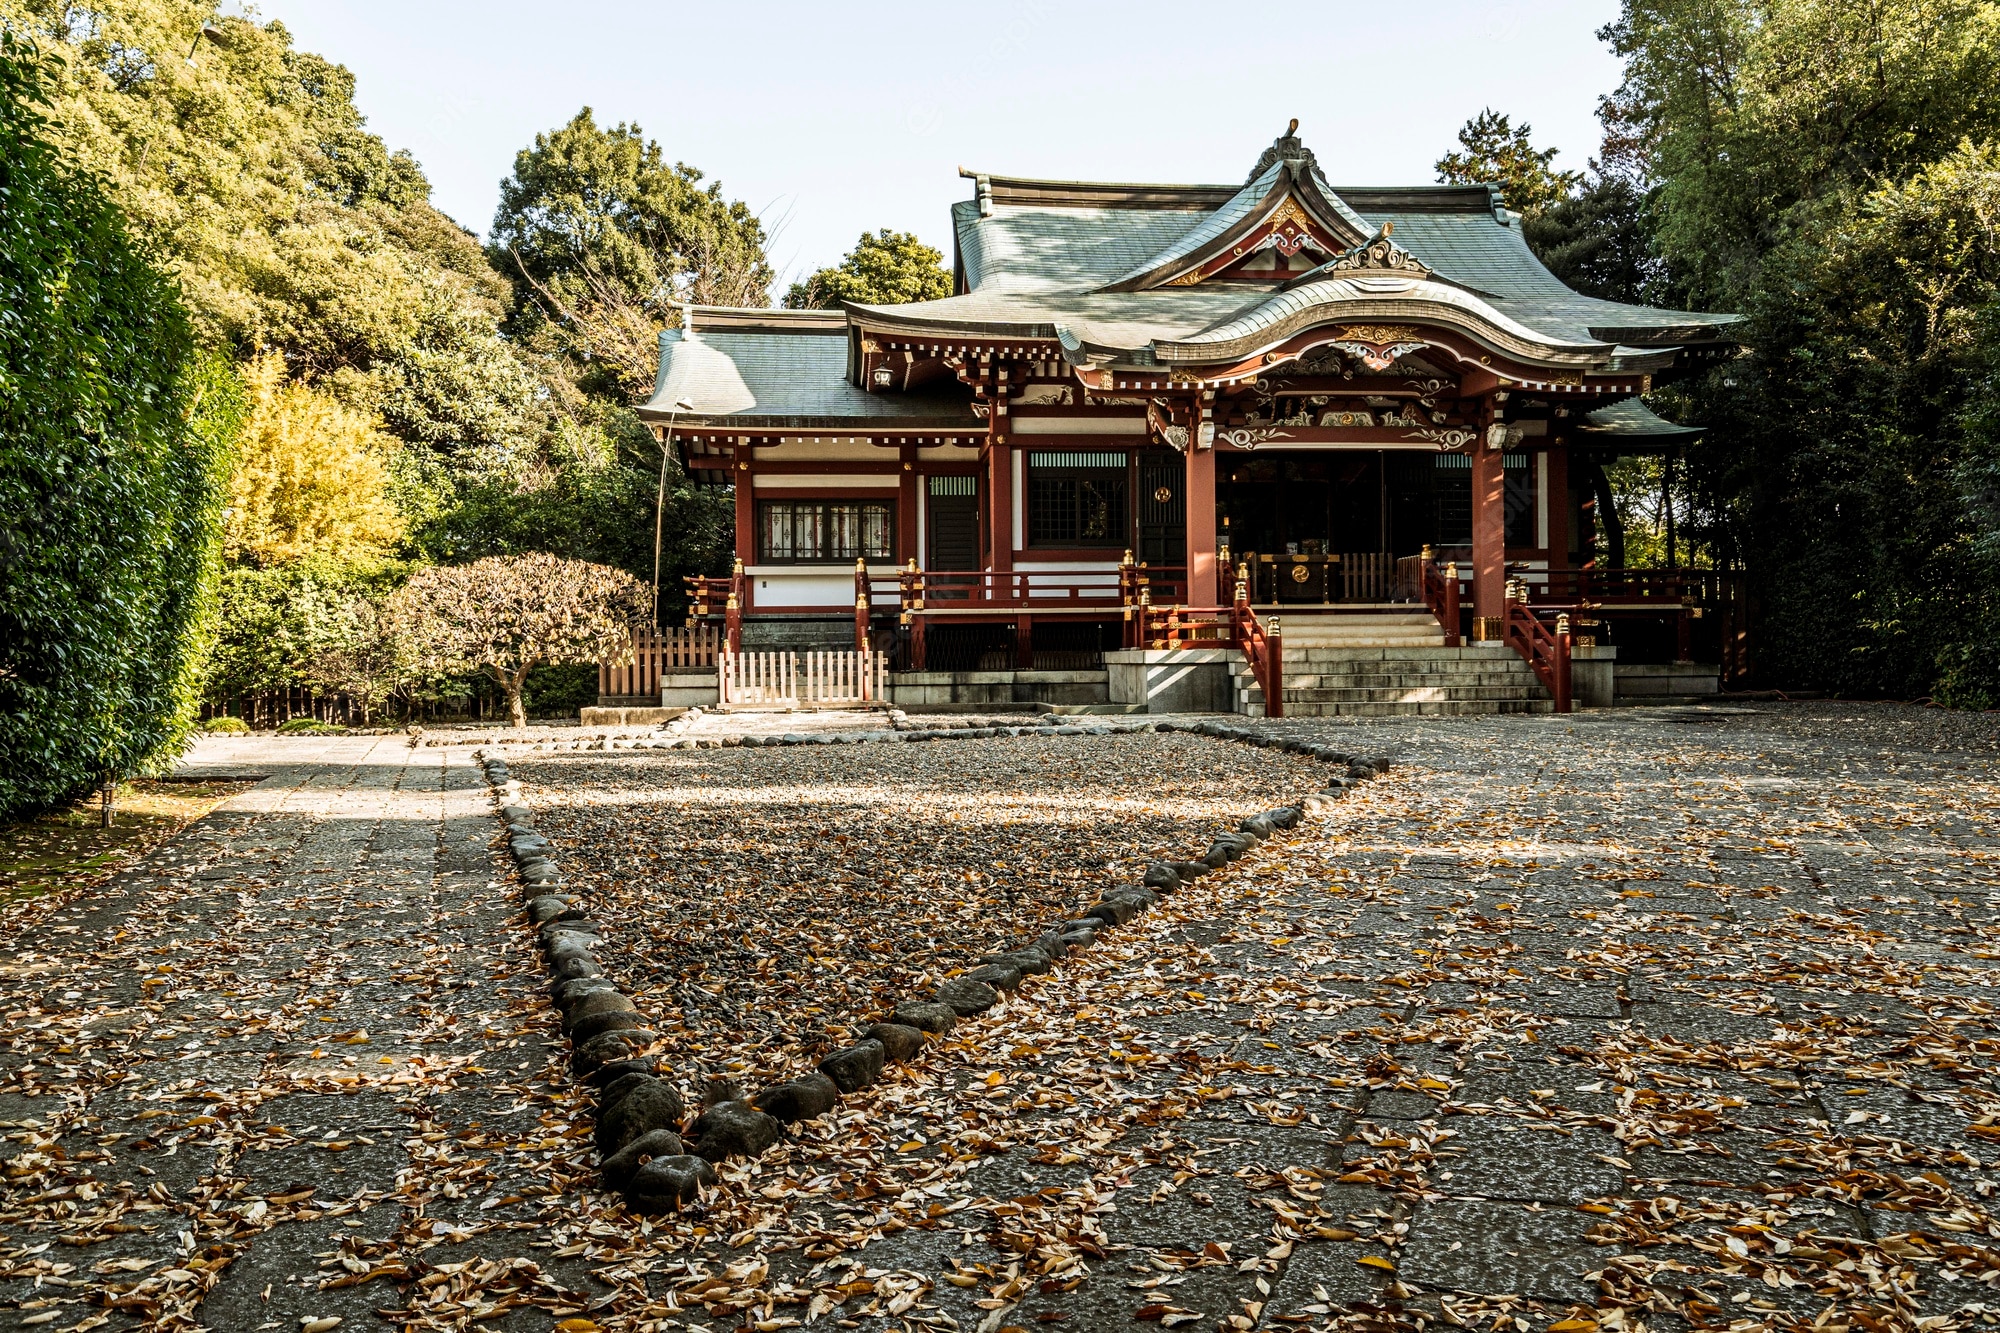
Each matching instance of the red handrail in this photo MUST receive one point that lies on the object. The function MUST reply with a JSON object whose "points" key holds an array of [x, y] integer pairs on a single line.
{"points": [[727, 596], [1546, 650], [1234, 626], [1440, 590]]}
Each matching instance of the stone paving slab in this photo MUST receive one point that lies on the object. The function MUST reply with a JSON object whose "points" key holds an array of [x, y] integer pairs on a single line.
{"points": [[1683, 1016]]}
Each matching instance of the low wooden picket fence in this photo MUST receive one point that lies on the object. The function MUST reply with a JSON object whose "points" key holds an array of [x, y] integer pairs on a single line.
{"points": [[802, 680], [694, 648]]}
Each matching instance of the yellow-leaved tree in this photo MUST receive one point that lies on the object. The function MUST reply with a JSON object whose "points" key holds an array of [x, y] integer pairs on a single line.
{"points": [[312, 475]]}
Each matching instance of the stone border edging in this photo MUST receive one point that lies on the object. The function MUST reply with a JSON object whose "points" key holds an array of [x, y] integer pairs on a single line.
{"points": [[640, 1115]]}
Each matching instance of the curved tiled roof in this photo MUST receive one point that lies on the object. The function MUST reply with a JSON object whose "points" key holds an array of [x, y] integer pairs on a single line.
{"points": [[1037, 254], [780, 368], [1362, 296], [1040, 260]]}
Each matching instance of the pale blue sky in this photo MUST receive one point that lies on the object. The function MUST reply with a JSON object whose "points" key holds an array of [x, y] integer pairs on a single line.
{"points": [[832, 119]]}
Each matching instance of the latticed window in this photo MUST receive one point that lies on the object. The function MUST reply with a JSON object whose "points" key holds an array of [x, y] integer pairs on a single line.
{"points": [[802, 531], [1453, 493], [1077, 499]]}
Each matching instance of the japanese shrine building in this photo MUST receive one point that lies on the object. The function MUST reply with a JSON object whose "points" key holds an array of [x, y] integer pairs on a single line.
{"points": [[1307, 384]]}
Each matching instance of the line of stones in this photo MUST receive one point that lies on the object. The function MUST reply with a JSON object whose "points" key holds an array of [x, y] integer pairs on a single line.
{"points": [[640, 1115]]}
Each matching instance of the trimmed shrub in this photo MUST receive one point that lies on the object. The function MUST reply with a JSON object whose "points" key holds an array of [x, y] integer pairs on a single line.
{"points": [[226, 726], [115, 436]]}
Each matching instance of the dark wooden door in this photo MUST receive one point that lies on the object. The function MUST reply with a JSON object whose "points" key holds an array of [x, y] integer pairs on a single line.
{"points": [[1163, 517], [952, 521]]}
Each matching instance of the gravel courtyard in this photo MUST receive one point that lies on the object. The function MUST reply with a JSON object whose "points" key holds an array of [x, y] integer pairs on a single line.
{"points": [[1658, 1019], [770, 897]]}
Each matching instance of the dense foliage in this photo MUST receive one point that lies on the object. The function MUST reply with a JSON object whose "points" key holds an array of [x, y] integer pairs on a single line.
{"points": [[1829, 169], [1492, 150], [312, 476], [414, 397], [115, 436], [885, 268]]}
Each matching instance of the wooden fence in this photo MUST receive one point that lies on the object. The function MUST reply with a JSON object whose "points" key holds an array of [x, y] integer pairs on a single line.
{"points": [[654, 654], [802, 680]]}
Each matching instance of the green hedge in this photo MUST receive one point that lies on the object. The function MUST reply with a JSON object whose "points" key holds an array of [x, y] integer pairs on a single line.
{"points": [[115, 435]]}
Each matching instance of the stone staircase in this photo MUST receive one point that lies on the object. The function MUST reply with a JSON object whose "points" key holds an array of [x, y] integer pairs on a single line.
{"points": [[1387, 664]]}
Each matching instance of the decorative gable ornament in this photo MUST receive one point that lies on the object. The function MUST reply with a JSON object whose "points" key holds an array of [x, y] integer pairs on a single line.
{"points": [[1283, 233], [1379, 346], [1375, 255], [1287, 147]]}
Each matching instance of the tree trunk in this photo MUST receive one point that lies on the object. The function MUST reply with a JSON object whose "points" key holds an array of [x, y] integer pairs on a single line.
{"points": [[517, 713], [1611, 525], [1667, 503]]}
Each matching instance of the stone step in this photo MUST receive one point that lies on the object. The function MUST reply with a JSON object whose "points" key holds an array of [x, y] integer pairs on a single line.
{"points": [[1372, 666], [1371, 652], [1410, 693], [1295, 646], [1376, 680], [1389, 675], [1446, 708]]}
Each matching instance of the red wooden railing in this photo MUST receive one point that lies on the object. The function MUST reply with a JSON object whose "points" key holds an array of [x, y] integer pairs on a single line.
{"points": [[864, 601], [725, 597], [1261, 646], [1545, 648], [1233, 626], [1440, 590], [1028, 590]]}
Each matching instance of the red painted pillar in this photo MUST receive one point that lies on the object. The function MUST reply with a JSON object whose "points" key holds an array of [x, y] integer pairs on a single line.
{"points": [[1489, 539], [1202, 575], [1000, 504], [906, 507], [746, 520]]}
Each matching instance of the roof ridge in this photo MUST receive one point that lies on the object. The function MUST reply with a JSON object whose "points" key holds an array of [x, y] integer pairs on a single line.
{"points": [[712, 318]]}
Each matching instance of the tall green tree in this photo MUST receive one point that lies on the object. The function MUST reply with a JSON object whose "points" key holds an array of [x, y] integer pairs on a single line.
{"points": [[291, 227], [1599, 240], [115, 438], [885, 268], [1829, 169], [1747, 112], [1492, 150], [603, 238]]}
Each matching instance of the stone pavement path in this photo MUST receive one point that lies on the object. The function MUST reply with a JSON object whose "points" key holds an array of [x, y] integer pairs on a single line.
{"points": [[226, 1076], [1661, 1018]]}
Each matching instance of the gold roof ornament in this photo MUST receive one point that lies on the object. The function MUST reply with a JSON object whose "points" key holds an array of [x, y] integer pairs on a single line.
{"points": [[1377, 254]]}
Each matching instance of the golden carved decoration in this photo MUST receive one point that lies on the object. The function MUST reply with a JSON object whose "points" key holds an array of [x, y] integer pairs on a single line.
{"points": [[870, 345], [1184, 377], [1160, 496], [1381, 335], [1288, 210], [1300, 573], [1187, 279], [1570, 378]]}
